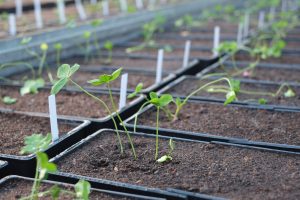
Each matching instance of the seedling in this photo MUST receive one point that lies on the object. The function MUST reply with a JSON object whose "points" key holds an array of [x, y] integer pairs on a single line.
{"points": [[32, 86], [168, 157], [108, 45], [36, 144], [160, 103], [9, 100], [65, 73], [186, 22], [58, 48], [87, 36]]}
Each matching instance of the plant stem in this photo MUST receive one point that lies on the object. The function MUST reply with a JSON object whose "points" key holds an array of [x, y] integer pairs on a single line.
{"points": [[106, 107], [42, 62], [120, 119], [58, 57], [136, 115], [36, 180], [156, 140]]}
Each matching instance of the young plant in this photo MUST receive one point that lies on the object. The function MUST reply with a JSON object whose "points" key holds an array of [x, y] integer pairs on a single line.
{"points": [[58, 48], [186, 22], [36, 144], [65, 73], [87, 37], [168, 157], [108, 45], [9, 100], [160, 103]]}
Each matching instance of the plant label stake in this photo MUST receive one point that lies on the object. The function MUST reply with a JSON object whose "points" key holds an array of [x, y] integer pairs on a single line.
{"points": [[139, 4], [12, 24], [80, 9], [61, 11], [123, 5], [123, 91], [216, 40], [105, 7], [38, 14], [261, 19], [53, 118], [240, 34], [246, 25], [19, 8], [159, 66], [186, 56]]}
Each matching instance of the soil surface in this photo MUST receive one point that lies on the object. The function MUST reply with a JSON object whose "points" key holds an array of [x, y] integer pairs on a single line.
{"points": [[264, 73], [187, 86], [17, 188], [230, 172], [15, 127], [68, 103], [231, 121]]}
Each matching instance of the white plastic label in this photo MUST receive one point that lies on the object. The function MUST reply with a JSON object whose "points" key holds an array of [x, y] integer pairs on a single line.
{"points": [[80, 9], [216, 40], [246, 24], [19, 7], [123, 5], [61, 11], [53, 118], [186, 57], [12, 24], [105, 7], [261, 19], [139, 4], [123, 91], [240, 34], [159, 66], [38, 14]]}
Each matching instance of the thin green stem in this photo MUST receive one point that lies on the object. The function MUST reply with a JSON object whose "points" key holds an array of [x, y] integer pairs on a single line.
{"points": [[120, 119], [58, 57], [42, 62], [136, 115], [106, 107], [156, 139]]}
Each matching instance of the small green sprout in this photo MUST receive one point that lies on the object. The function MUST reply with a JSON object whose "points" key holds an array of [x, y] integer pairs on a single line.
{"points": [[87, 37], [289, 93], [58, 48], [32, 86], [262, 101], [167, 157], [108, 45], [9, 100]]}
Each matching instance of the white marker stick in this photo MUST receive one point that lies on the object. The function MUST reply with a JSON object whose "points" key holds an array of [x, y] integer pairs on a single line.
{"points": [[159, 66], [240, 34], [186, 57], [53, 118], [123, 5], [38, 14], [139, 4], [261, 19], [123, 91], [105, 7], [80, 9], [61, 11], [19, 8], [12, 24], [216, 40], [246, 25]]}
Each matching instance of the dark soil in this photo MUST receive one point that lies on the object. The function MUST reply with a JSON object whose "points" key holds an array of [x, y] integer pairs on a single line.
{"points": [[18, 188], [265, 73], [231, 172], [68, 103], [127, 63], [15, 127], [232, 121], [187, 86]]}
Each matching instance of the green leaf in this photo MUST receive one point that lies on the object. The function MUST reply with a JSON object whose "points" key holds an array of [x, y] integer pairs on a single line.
{"points": [[153, 95], [35, 143], [96, 22], [63, 71], [289, 93], [86, 35], [137, 90], [116, 74], [26, 40], [178, 101], [83, 189], [9, 100], [165, 99], [57, 46], [230, 97], [171, 144], [32, 86], [262, 101], [59, 85], [164, 158], [235, 85], [108, 45], [45, 165], [74, 69], [55, 192], [106, 78]]}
